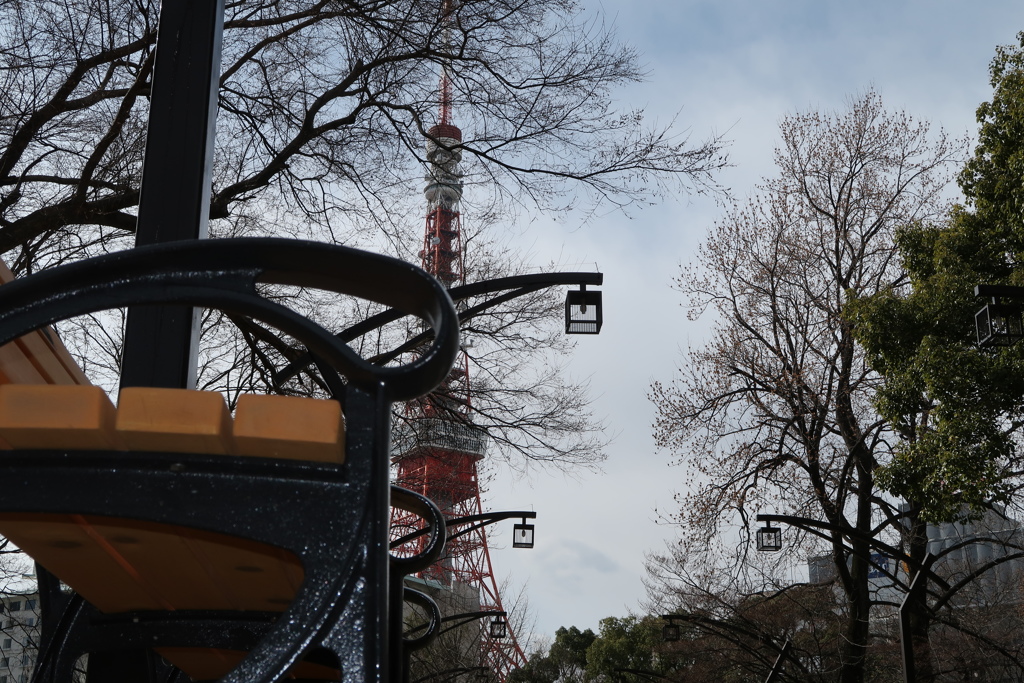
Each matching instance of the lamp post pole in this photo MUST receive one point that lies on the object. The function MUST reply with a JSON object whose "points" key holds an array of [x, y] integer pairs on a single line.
{"points": [[174, 203], [174, 200]]}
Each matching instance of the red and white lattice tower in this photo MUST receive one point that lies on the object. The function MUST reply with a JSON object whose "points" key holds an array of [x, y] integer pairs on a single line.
{"points": [[438, 448]]}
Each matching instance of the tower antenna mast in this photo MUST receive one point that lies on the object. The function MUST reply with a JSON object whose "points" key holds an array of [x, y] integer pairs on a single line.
{"points": [[438, 448]]}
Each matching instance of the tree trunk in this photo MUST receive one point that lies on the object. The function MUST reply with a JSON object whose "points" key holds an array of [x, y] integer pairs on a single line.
{"points": [[920, 619]]}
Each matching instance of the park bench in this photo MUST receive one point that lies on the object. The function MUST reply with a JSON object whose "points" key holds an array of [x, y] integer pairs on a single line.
{"points": [[39, 357], [250, 547]]}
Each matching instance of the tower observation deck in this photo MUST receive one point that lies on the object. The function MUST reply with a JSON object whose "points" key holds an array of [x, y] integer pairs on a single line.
{"points": [[437, 447]]}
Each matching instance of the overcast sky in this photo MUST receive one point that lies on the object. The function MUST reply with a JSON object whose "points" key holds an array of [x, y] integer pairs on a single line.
{"points": [[734, 67]]}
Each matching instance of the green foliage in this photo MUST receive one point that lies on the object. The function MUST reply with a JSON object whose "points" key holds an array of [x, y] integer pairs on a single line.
{"points": [[624, 650], [569, 652], [958, 409], [565, 662]]}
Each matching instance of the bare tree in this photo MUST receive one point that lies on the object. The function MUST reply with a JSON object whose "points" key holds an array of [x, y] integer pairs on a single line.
{"points": [[324, 106], [775, 413]]}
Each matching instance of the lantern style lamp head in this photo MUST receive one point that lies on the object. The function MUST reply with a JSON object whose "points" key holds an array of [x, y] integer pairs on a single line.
{"points": [[670, 632], [583, 313], [522, 535], [499, 629], [769, 538], [998, 325]]}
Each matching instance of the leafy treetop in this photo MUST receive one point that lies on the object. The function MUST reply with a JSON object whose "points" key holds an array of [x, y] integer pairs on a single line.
{"points": [[957, 409]]}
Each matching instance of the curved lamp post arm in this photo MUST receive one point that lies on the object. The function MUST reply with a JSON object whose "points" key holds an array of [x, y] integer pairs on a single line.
{"points": [[818, 528], [514, 287], [471, 522], [466, 617]]}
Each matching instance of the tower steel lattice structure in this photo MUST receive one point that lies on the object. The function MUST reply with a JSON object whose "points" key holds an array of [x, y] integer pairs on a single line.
{"points": [[437, 447]]}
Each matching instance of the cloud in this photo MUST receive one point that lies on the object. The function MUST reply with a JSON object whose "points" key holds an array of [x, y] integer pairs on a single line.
{"points": [[572, 560]]}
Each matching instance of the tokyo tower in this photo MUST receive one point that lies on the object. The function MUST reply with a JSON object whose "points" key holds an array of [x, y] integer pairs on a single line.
{"points": [[438, 448]]}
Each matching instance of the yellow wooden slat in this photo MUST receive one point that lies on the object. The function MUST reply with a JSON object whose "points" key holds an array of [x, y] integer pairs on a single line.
{"points": [[41, 355], [38, 357], [5, 273], [46, 351], [46, 416], [252, 576], [173, 420], [16, 368], [122, 565], [289, 427], [64, 548], [207, 664], [161, 558]]}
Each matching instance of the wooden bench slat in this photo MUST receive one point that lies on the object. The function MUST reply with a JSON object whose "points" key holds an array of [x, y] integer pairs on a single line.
{"points": [[162, 562], [41, 350], [42, 356], [122, 565], [48, 416], [16, 368], [211, 664], [51, 340], [63, 547], [289, 427], [173, 420], [253, 577]]}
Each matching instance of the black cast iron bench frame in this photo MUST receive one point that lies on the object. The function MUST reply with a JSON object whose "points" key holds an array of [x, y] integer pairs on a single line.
{"points": [[334, 518]]}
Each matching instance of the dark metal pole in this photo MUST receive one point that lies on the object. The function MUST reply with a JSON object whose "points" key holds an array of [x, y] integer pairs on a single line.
{"points": [[175, 196], [159, 341]]}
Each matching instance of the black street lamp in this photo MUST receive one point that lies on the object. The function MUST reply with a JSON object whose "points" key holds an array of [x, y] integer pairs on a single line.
{"points": [[522, 535], [583, 314], [499, 628], [999, 324], [769, 538], [670, 632]]}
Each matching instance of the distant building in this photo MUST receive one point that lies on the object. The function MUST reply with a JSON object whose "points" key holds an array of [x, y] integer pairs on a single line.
{"points": [[989, 603], [19, 636], [822, 569], [969, 546]]}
